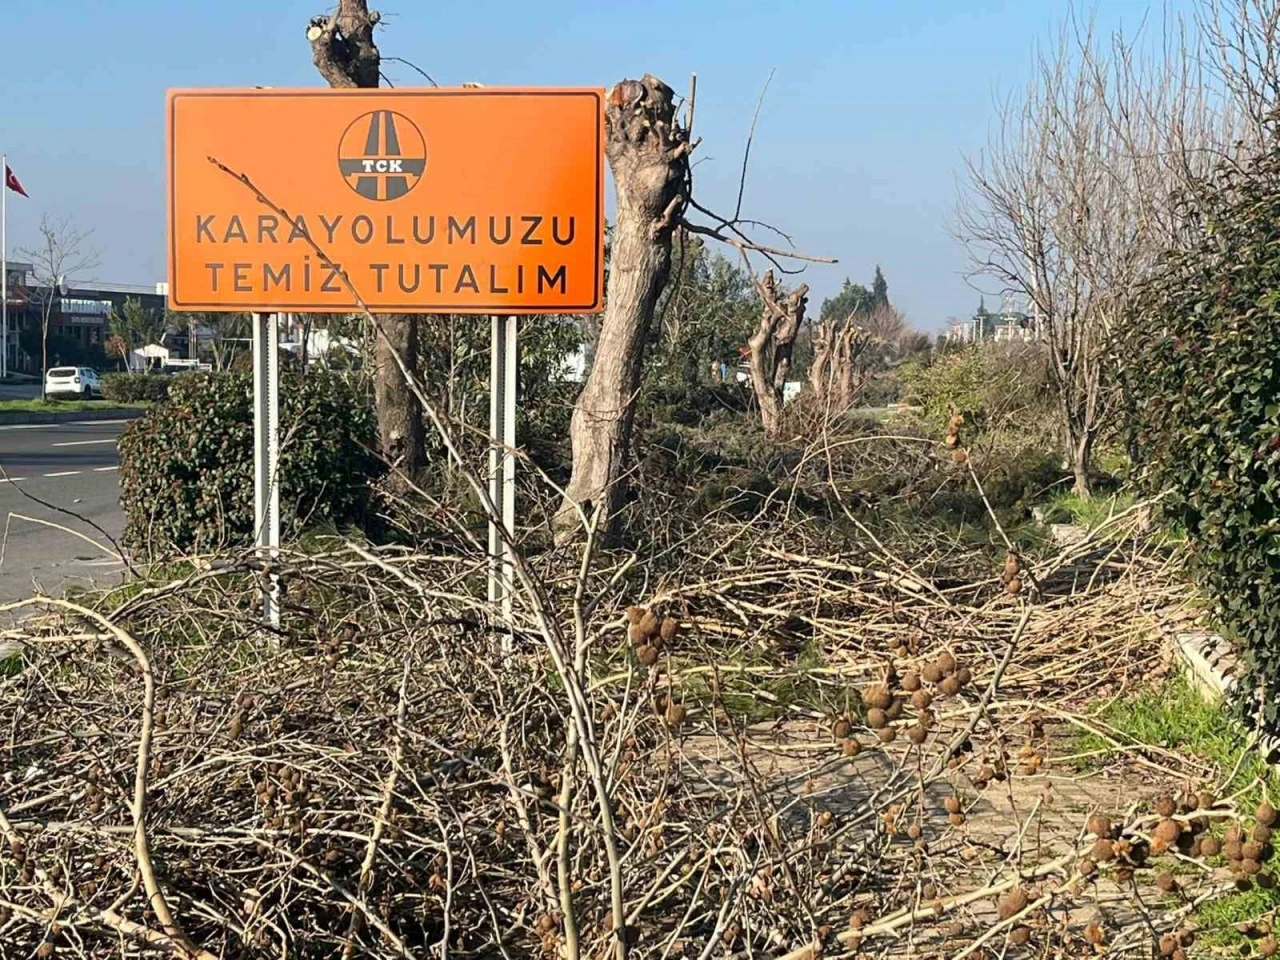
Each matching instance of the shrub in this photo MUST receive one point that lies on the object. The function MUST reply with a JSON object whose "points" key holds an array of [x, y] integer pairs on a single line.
{"points": [[186, 466], [135, 387], [243, 362], [993, 385], [1206, 335]]}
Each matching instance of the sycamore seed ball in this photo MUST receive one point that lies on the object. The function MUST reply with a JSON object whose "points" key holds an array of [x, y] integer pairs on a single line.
{"points": [[1102, 851], [1266, 814], [877, 696], [1012, 903], [1166, 807], [1099, 825], [877, 719], [910, 681], [1209, 847]]}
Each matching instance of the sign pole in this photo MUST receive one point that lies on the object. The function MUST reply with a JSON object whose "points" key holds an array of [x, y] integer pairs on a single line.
{"points": [[511, 374], [503, 380], [266, 454]]}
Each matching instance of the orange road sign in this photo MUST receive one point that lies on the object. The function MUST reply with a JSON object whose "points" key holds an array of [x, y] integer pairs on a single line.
{"points": [[485, 200]]}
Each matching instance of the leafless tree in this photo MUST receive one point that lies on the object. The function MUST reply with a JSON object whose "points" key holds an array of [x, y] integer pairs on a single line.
{"points": [[63, 252], [1241, 54], [346, 55], [771, 347], [1079, 193]]}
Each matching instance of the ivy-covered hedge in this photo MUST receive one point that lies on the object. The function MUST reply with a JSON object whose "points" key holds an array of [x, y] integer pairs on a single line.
{"points": [[135, 387], [1207, 339], [186, 466]]}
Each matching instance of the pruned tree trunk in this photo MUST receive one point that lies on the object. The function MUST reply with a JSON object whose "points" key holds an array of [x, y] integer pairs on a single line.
{"points": [[820, 368], [345, 54], [648, 154], [771, 347], [837, 375]]}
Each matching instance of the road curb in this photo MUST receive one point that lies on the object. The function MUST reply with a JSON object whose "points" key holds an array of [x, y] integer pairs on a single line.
{"points": [[114, 413]]}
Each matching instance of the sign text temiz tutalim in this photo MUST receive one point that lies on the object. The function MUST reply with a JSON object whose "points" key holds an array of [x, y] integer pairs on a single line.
{"points": [[463, 201]]}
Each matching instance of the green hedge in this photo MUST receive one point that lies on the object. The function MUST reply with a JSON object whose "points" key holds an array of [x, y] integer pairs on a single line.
{"points": [[135, 387], [186, 466], [1205, 343]]}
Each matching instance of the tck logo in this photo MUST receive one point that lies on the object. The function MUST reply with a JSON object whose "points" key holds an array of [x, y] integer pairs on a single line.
{"points": [[382, 155]]}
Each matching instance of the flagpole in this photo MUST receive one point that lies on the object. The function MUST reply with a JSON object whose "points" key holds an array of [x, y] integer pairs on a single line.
{"points": [[4, 267]]}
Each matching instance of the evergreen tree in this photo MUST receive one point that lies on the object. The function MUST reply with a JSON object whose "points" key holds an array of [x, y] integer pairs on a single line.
{"points": [[879, 290]]}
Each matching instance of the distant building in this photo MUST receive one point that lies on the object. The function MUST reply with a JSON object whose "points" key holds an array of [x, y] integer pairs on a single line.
{"points": [[78, 321], [1006, 326]]}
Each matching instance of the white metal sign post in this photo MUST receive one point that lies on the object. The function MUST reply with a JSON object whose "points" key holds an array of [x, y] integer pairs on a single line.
{"points": [[504, 365], [266, 454]]}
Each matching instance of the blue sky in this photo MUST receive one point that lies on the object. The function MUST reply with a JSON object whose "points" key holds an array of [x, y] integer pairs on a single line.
{"points": [[857, 153]]}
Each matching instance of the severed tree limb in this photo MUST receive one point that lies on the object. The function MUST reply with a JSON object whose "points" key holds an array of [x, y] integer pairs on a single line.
{"points": [[384, 815]]}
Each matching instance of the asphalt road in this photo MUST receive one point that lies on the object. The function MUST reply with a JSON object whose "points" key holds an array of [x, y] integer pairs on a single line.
{"points": [[72, 466]]}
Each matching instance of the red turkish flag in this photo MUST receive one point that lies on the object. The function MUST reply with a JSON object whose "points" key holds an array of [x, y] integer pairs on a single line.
{"points": [[11, 181]]}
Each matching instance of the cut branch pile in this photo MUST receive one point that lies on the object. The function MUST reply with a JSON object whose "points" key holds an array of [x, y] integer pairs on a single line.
{"points": [[773, 744]]}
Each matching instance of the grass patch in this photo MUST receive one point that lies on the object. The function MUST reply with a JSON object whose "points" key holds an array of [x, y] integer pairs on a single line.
{"points": [[64, 406], [11, 666], [1217, 918], [1067, 507], [1176, 717]]}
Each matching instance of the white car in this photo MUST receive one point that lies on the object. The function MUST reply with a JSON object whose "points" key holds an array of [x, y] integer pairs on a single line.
{"points": [[74, 381]]}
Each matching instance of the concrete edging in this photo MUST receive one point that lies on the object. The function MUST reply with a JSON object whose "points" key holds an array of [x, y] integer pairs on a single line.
{"points": [[113, 413]]}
